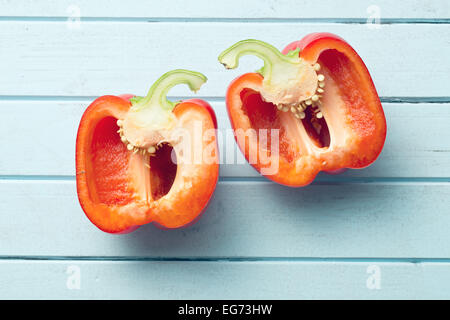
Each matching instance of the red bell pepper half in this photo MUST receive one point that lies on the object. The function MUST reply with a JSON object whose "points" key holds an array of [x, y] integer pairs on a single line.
{"points": [[147, 159], [316, 97]]}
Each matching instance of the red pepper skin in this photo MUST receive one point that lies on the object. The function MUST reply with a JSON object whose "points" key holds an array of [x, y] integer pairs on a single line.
{"points": [[357, 129], [108, 184]]}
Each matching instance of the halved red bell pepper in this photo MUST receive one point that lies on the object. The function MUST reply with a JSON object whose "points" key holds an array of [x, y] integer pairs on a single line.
{"points": [[320, 99], [147, 159]]}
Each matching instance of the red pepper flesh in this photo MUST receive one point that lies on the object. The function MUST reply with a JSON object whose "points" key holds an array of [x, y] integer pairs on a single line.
{"points": [[119, 189], [352, 126]]}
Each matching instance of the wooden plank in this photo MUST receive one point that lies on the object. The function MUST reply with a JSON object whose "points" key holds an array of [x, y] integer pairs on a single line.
{"points": [[50, 58], [417, 145], [228, 9], [244, 219], [222, 280]]}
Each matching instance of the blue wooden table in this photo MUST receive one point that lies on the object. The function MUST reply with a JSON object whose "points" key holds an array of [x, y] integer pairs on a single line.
{"points": [[380, 232]]}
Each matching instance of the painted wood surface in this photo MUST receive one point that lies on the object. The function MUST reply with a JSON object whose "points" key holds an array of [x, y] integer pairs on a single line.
{"points": [[244, 219], [223, 280], [234, 9], [51, 58], [256, 239], [410, 151]]}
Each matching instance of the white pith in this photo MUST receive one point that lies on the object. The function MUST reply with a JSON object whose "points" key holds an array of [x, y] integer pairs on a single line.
{"points": [[145, 130], [290, 84], [302, 93]]}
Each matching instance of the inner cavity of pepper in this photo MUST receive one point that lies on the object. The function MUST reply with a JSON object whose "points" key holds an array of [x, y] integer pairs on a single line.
{"points": [[163, 169], [110, 158], [266, 115]]}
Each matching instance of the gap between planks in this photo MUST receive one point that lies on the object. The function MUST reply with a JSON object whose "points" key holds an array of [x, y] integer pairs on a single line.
{"points": [[207, 98], [228, 259], [320, 180], [227, 20]]}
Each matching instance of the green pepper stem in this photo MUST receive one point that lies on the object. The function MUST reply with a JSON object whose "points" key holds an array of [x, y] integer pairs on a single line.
{"points": [[268, 53], [157, 95]]}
